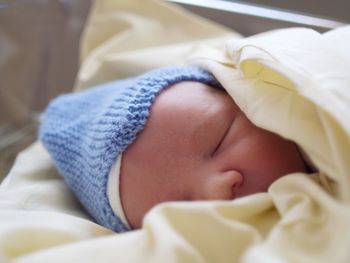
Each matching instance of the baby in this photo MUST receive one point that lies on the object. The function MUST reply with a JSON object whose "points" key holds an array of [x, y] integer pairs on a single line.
{"points": [[172, 134]]}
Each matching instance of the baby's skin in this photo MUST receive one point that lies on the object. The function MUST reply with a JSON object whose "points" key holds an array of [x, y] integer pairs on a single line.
{"points": [[198, 145]]}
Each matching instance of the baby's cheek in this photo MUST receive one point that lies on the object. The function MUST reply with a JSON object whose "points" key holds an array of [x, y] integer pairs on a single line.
{"points": [[267, 157]]}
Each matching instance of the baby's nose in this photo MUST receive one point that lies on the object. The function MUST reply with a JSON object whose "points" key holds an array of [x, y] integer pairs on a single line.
{"points": [[221, 186], [235, 179]]}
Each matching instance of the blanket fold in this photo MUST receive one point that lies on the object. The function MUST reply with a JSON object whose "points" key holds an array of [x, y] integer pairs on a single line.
{"points": [[295, 82]]}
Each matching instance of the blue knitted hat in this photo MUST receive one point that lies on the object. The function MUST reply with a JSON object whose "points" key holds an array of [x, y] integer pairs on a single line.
{"points": [[85, 132]]}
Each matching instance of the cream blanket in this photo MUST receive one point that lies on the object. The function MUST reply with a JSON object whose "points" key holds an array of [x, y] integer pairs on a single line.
{"points": [[294, 82]]}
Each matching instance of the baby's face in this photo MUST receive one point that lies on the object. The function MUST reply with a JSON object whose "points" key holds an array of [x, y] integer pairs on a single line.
{"points": [[198, 145]]}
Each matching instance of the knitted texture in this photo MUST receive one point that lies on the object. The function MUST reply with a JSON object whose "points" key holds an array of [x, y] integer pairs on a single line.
{"points": [[85, 132]]}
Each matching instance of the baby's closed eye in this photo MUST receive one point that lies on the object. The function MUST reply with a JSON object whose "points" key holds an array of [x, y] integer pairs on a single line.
{"points": [[209, 135], [220, 139]]}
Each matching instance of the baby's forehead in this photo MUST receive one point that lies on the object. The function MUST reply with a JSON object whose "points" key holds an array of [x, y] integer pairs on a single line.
{"points": [[182, 115], [188, 94], [188, 111]]}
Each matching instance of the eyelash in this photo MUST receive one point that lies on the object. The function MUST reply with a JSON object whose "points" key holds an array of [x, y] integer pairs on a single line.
{"points": [[219, 143], [222, 138], [217, 146]]}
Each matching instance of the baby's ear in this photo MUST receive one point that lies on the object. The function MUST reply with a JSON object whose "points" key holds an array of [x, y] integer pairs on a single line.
{"points": [[222, 185]]}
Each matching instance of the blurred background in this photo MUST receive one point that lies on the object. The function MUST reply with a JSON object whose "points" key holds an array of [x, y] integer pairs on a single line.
{"points": [[39, 49]]}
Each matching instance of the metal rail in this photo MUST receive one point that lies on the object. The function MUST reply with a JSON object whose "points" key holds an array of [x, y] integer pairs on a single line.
{"points": [[263, 12]]}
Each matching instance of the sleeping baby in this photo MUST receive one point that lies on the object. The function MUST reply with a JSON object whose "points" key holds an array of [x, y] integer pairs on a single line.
{"points": [[172, 134]]}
